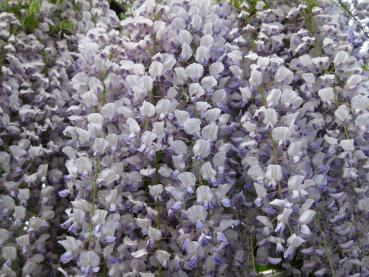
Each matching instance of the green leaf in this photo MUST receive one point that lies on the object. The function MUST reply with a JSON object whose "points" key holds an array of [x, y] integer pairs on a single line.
{"points": [[262, 267], [4, 5], [159, 156], [30, 22], [34, 7], [67, 26], [365, 67]]}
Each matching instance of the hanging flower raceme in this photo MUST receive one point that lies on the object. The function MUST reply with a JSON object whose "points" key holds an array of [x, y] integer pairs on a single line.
{"points": [[189, 138]]}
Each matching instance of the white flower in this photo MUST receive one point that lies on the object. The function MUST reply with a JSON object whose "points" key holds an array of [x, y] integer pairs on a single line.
{"points": [[353, 81], [256, 173], [139, 253], [148, 138], [290, 97], [274, 174], [188, 179], [156, 69], [261, 192], [201, 148], [207, 172], [204, 195], [196, 22], [347, 145], [340, 58], [146, 83], [156, 190], [148, 109], [196, 90], [216, 68], [163, 107], [109, 111], [307, 216], [95, 118], [154, 234], [363, 204], [70, 244], [195, 71], [270, 117], [359, 103], [281, 134], [158, 128], [184, 36], [134, 128], [208, 82], [196, 213], [181, 75], [99, 216], [284, 75], [210, 132], [179, 162], [202, 54], [246, 94], [181, 116], [107, 176], [192, 126], [294, 185], [342, 113], [90, 99], [256, 78], [9, 253], [327, 95], [178, 146], [362, 121], [19, 212], [273, 97], [99, 146], [212, 115], [186, 53], [84, 165], [23, 240], [265, 221], [295, 241], [143, 223], [163, 257]]}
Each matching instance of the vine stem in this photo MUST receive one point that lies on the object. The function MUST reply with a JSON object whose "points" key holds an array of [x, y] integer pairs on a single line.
{"points": [[94, 192], [344, 7], [252, 254], [325, 245]]}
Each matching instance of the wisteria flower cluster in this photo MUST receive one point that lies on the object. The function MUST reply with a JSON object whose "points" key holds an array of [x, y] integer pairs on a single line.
{"points": [[183, 138]]}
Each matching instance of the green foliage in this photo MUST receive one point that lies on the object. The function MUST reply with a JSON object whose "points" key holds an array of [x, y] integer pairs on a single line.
{"points": [[63, 27], [56, 2], [34, 7], [30, 22], [236, 4], [261, 267], [159, 156], [308, 16], [365, 67]]}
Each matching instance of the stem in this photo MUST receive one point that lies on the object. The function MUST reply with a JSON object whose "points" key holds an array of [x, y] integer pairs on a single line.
{"points": [[325, 245], [199, 173], [345, 130], [274, 146], [94, 192], [261, 91], [252, 254], [344, 7], [308, 16]]}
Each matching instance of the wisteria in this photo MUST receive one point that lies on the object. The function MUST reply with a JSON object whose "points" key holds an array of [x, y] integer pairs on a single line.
{"points": [[184, 138]]}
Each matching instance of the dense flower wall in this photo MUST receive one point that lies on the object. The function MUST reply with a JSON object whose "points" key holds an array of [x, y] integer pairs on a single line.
{"points": [[183, 138]]}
